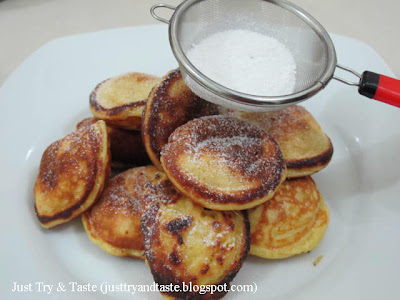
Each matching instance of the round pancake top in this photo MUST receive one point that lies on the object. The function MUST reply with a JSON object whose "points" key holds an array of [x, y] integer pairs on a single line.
{"points": [[298, 134], [121, 92], [68, 172], [288, 216], [185, 242], [170, 104], [116, 216], [223, 160]]}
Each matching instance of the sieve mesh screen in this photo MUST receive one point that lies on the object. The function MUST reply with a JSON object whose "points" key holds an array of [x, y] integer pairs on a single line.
{"points": [[205, 18], [309, 43]]}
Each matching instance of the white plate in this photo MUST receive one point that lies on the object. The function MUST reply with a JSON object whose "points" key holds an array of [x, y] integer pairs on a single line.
{"points": [[48, 94]]}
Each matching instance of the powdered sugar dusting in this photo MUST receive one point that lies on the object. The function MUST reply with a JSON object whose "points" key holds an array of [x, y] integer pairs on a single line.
{"points": [[72, 160], [231, 151], [120, 201]]}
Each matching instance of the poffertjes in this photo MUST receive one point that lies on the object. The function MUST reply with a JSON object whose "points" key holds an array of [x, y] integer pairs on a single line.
{"points": [[72, 175], [120, 100], [305, 147], [170, 104], [223, 163], [113, 223], [292, 222], [127, 149], [187, 243]]}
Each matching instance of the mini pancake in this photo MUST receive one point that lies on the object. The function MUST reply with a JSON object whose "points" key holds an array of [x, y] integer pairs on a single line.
{"points": [[114, 221], [187, 243], [120, 100], [292, 222], [73, 172], [127, 149], [223, 163], [305, 147], [170, 104]]}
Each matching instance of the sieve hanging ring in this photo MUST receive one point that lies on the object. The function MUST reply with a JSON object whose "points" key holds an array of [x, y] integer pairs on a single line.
{"points": [[160, 5]]}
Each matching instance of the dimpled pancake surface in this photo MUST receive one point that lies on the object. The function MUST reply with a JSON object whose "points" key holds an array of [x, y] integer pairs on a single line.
{"points": [[120, 100], [113, 223], [187, 243], [73, 172], [292, 222], [170, 104], [126, 146], [223, 163], [305, 147]]}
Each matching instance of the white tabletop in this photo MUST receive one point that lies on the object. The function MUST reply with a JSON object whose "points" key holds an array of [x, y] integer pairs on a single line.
{"points": [[25, 25]]}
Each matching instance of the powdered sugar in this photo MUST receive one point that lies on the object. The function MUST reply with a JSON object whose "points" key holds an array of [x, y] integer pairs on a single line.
{"points": [[236, 152], [247, 62]]}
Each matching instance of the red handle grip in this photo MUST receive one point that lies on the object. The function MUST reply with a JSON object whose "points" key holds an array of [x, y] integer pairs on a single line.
{"points": [[388, 90], [380, 87]]}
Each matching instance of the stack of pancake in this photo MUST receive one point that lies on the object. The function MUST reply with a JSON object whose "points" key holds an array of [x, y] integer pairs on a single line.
{"points": [[197, 187]]}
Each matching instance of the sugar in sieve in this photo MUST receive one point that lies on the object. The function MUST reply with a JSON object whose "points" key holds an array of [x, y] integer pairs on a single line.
{"points": [[310, 44]]}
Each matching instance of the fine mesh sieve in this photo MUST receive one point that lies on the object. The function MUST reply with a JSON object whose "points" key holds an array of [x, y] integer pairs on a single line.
{"points": [[309, 43]]}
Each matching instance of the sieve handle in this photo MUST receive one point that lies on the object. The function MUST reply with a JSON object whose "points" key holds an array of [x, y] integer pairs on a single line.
{"points": [[375, 86], [380, 87], [161, 5]]}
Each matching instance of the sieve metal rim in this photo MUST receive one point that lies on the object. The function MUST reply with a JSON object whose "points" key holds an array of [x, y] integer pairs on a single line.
{"points": [[248, 99]]}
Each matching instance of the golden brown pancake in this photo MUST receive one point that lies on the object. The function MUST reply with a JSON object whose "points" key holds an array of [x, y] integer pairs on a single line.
{"points": [[170, 104], [127, 149], [73, 172], [113, 223], [223, 163], [120, 100], [292, 222], [305, 147], [187, 243]]}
